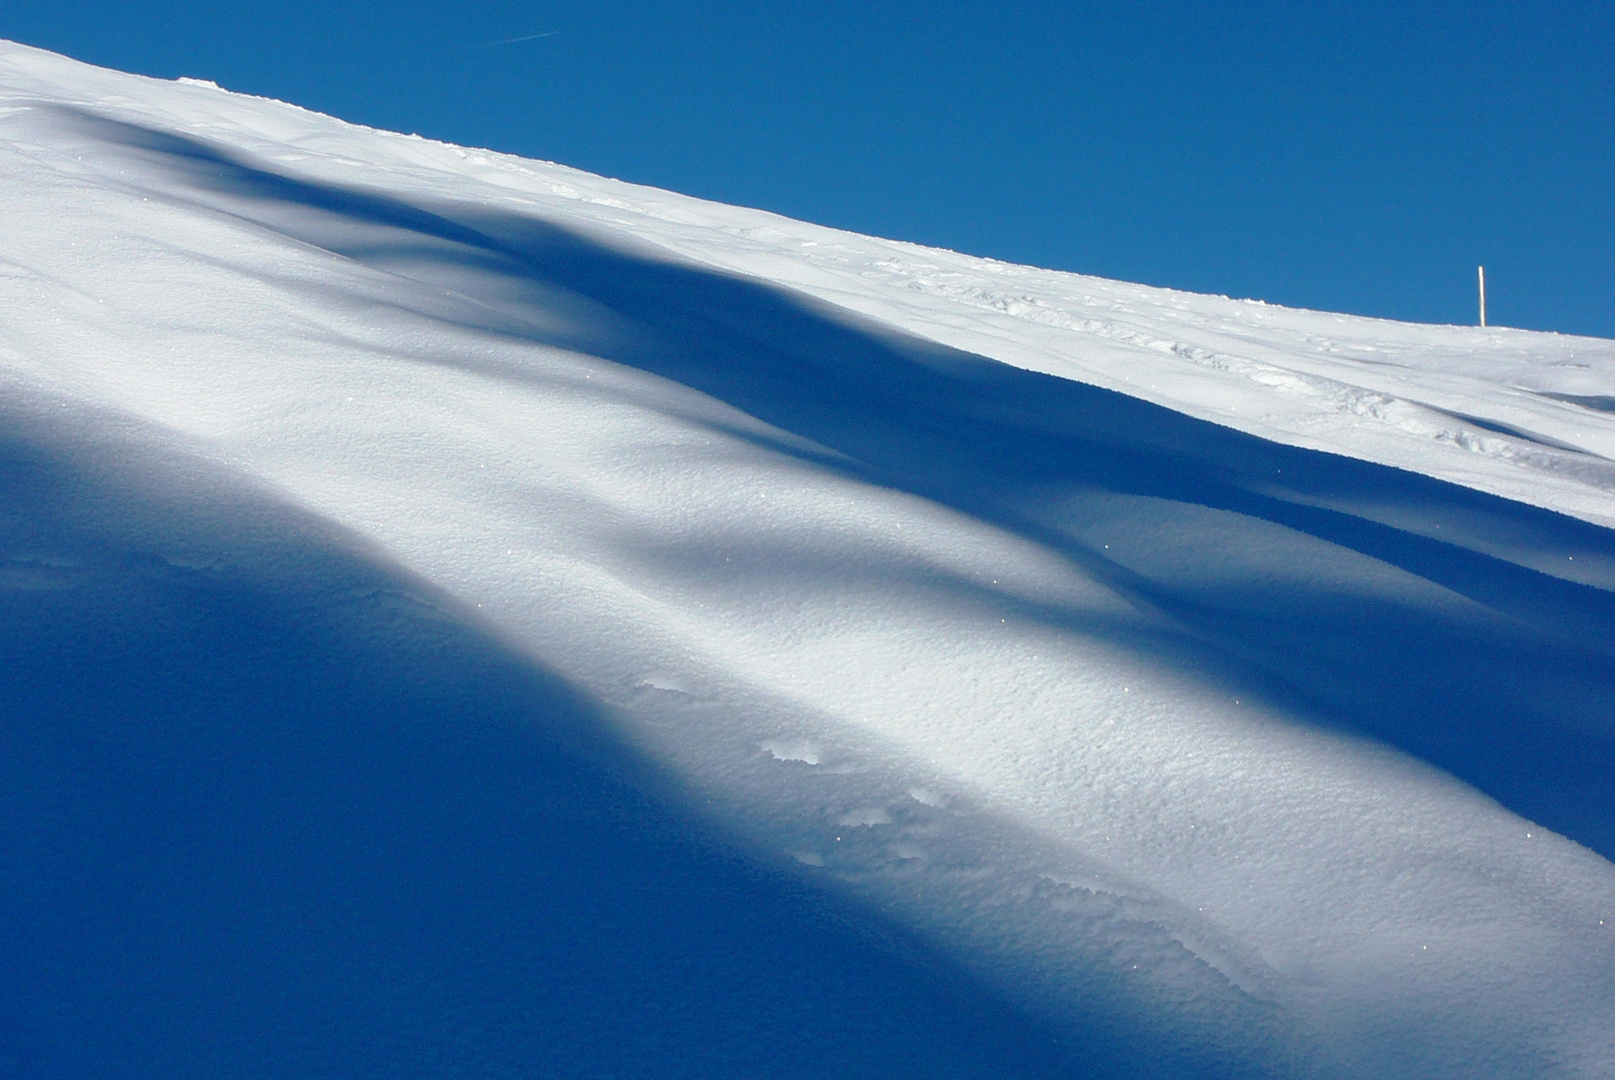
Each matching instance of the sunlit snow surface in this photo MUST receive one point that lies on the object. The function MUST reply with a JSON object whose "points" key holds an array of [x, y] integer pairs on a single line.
{"points": [[470, 617]]}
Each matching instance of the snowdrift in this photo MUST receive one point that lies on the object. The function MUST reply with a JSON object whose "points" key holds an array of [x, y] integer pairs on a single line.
{"points": [[467, 616]]}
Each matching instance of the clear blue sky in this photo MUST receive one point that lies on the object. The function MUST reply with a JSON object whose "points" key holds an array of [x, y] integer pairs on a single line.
{"points": [[1356, 157]]}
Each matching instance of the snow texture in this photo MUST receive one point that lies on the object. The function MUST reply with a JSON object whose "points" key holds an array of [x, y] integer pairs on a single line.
{"points": [[464, 616]]}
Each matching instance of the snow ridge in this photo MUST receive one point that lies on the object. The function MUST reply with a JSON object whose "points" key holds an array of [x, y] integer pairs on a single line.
{"points": [[1223, 689]]}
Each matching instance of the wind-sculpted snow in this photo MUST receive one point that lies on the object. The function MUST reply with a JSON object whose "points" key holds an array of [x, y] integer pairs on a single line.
{"points": [[478, 617], [277, 807]]}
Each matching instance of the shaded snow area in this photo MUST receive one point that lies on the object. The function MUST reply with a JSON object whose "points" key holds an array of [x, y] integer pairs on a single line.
{"points": [[467, 617]]}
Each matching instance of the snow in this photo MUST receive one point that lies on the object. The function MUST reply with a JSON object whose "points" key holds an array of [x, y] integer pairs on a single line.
{"points": [[1184, 685]]}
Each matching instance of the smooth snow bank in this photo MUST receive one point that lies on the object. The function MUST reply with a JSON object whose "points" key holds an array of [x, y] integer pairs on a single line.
{"points": [[1207, 751]]}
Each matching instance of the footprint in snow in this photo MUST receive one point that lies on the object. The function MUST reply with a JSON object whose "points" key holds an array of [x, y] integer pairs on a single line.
{"points": [[793, 750], [866, 815]]}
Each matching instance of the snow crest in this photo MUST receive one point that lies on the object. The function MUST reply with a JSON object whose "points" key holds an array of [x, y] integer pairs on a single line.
{"points": [[1225, 687]]}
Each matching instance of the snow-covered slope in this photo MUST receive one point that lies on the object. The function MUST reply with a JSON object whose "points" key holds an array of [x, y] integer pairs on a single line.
{"points": [[474, 616]]}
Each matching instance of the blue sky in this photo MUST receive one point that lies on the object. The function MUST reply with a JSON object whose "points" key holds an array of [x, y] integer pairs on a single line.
{"points": [[1358, 157]]}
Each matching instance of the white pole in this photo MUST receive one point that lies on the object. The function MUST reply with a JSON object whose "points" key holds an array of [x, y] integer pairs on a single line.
{"points": [[1482, 295]]}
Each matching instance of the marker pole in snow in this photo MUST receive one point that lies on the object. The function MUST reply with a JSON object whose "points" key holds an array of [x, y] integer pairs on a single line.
{"points": [[1482, 270]]}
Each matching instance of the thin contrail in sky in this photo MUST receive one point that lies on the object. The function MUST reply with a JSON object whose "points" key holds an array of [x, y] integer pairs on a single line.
{"points": [[514, 40]]}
